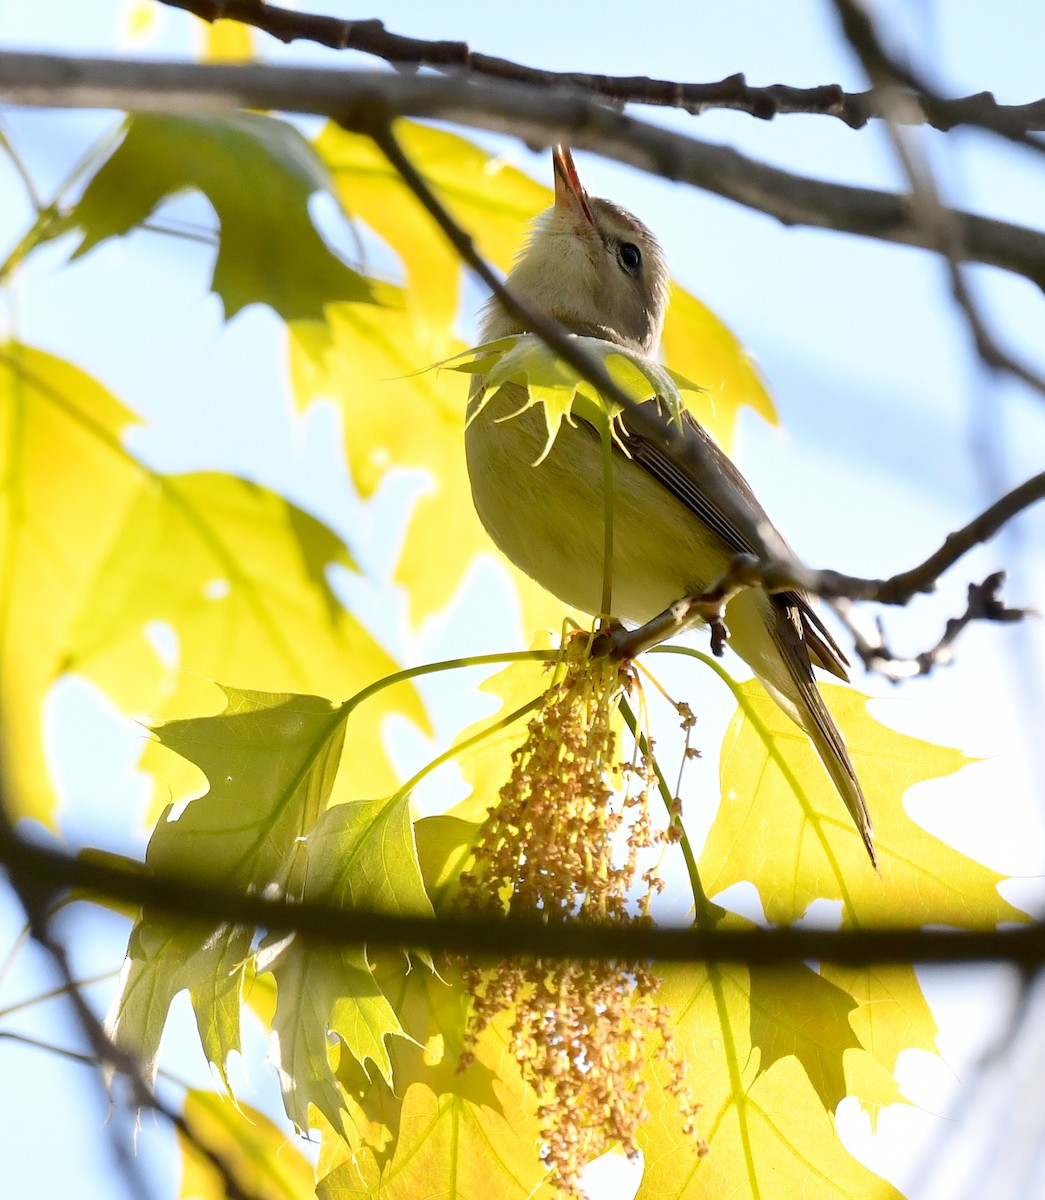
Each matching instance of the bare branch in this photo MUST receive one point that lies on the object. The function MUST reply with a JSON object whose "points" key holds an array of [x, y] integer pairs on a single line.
{"points": [[496, 938], [359, 100], [984, 604], [733, 92], [36, 892], [776, 572], [887, 78], [859, 29]]}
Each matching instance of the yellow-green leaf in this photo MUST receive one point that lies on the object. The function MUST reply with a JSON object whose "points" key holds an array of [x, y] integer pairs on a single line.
{"points": [[795, 1011], [782, 825], [443, 1131], [165, 957], [768, 1131], [698, 344], [319, 991], [398, 415], [231, 572], [892, 1015], [492, 200], [266, 1164], [359, 855], [561, 390], [239, 576], [259, 174], [59, 445], [226, 41], [270, 762], [362, 855]]}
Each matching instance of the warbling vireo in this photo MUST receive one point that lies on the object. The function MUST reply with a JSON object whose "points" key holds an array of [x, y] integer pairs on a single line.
{"points": [[600, 272]]}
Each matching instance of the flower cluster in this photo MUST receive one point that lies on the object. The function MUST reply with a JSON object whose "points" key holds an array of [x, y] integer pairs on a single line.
{"points": [[565, 843]]}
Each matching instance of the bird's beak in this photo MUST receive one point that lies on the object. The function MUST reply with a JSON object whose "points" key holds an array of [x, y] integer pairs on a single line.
{"points": [[569, 195]]}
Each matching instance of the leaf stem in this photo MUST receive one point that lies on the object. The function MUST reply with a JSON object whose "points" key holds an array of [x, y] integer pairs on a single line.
{"points": [[707, 913], [347, 707], [773, 751], [467, 744], [606, 438]]}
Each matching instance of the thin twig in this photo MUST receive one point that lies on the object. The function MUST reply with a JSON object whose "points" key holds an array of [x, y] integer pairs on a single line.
{"points": [[36, 892], [538, 118], [887, 78], [733, 92], [984, 603], [22, 171], [777, 572]]}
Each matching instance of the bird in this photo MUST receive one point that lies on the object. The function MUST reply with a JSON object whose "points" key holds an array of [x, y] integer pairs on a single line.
{"points": [[597, 270]]}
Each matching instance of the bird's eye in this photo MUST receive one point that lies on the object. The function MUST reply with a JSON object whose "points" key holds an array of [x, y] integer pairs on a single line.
{"points": [[630, 257]]}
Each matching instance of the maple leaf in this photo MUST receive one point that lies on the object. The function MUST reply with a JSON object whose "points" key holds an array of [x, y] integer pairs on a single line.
{"points": [[259, 175], [781, 825], [234, 573], [257, 1152]]}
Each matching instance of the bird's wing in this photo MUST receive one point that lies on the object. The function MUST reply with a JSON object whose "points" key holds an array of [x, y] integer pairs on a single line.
{"points": [[722, 499]]}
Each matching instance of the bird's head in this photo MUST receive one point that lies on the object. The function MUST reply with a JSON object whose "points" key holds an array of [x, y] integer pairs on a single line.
{"points": [[592, 265]]}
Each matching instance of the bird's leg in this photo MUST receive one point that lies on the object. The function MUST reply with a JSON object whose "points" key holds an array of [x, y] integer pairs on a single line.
{"points": [[708, 606]]}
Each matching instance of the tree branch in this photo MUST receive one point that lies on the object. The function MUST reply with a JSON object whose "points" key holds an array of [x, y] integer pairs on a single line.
{"points": [[984, 604], [36, 892], [888, 77], [495, 938], [734, 92], [357, 100], [776, 571]]}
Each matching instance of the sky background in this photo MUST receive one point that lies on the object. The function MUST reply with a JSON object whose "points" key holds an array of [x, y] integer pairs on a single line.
{"points": [[892, 434]]}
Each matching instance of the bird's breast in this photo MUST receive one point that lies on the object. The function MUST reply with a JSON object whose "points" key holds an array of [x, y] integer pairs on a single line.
{"points": [[548, 516]]}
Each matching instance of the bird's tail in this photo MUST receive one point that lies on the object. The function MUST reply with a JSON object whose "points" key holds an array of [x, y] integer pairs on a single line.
{"points": [[804, 704], [816, 720]]}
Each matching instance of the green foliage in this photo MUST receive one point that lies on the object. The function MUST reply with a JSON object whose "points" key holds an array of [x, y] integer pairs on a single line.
{"points": [[559, 389], [371, 1045], [258, 174]]}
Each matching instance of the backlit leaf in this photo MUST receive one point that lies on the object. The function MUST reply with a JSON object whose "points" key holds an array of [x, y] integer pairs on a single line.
{"points": [[798, 848], [264, 1161], [321, 991], [697, 344], [59, 444], [795, 1011], [270, 762], [561, 391], [442, 1131], [892, 1015], [239, 576], [99, 552], [767, 1128], [398, 415], [491, 199], [259, 174], [226, 41], [359, 855]]}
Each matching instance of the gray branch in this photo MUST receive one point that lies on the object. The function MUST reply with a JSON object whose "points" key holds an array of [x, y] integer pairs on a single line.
{"points": [[855, 109], [54, 871], [361, 101]]}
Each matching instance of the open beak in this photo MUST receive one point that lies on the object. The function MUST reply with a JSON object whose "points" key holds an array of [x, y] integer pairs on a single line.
{"points": [[569, 195]]}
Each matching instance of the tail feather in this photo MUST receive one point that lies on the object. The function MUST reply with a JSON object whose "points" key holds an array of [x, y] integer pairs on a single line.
{"points": [[806, 706], [825, 736]]}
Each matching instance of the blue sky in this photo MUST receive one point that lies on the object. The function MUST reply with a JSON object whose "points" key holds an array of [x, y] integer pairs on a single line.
{"points": [[892, 434]]}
